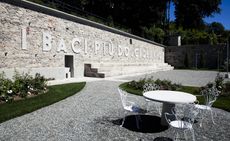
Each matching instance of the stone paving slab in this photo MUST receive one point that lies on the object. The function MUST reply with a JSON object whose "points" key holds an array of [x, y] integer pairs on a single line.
{"points": [[94, 115]]}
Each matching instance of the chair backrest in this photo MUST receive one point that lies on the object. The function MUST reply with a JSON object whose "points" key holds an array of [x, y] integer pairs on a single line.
{"points": [[123, 96], [170, 117], [150, 87], [190, 112], [210, 95], [186, 112]]}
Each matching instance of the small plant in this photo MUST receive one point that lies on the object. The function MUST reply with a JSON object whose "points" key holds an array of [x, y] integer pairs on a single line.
{"points": [[226, 89], [219, 81], [6, 92]]}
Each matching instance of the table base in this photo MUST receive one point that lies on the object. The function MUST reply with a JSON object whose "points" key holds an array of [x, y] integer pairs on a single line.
{"points": [[167, 108]]}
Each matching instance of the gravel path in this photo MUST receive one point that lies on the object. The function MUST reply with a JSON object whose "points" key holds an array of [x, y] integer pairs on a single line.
{"points": [[94, 115], [185, 77]]}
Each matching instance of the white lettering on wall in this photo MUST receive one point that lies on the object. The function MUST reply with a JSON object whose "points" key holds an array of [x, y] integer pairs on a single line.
{"points": [[76, 42], [24, 43], [119, 50], [136, 52], [143, 52], [61, 46], [96, 47], [111, 50], [47, 41], [86, 47], [104, 48], [126, 51]]}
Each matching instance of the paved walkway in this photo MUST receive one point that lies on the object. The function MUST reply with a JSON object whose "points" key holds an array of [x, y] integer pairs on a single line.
{"points": [[94, 115]]}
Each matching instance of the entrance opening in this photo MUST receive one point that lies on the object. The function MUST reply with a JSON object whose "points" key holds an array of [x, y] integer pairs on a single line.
{"points": [[69, 66]]}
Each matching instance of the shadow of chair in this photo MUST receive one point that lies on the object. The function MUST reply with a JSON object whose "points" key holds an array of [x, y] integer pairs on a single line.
{"points": [[148, 124], [151, 87]]}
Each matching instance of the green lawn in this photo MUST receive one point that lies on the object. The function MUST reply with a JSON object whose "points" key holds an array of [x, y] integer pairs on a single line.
{"points": [[55, 94], [223, 102]]}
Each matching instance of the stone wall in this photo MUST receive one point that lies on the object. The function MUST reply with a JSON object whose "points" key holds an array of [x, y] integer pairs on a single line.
{"points": [[196, 56], [34, 41]]}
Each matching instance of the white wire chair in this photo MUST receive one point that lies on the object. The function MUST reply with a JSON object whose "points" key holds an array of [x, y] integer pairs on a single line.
{"points": [[130, 106], [152, 87], [182, 120], [210, 96]]}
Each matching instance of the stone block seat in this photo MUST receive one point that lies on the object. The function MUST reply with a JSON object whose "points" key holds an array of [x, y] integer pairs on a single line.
{"points": [[116, 69]]}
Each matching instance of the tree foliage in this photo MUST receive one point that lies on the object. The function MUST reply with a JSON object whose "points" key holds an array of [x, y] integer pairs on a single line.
{"points": [[149, 18], [190, 13]]}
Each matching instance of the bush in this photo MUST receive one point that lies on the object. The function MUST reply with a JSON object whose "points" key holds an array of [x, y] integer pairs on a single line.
{"points": [[21, 86], [164, 84], [223, 87], [195, 36], [6, 85]]}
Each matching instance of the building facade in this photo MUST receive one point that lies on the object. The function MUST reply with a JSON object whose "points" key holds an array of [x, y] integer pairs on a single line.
{"points": [[37, 39]]}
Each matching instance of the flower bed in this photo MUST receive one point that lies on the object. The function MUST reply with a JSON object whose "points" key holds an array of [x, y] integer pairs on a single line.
{"points": [[21, 86]]}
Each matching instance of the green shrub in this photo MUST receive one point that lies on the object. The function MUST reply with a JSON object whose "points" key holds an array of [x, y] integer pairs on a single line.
{"points": [[6, 85], [21, 86], [226, 89], [164, 84]]}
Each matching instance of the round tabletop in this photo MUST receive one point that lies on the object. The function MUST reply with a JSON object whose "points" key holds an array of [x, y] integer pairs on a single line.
{"points": [[170, 96]]}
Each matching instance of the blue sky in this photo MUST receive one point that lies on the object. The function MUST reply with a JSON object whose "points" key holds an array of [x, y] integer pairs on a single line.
{"points": [[223, 17]]}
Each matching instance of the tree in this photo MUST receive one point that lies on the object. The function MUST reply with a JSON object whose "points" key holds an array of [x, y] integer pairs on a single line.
{"points": [[190, 13], [217, 28], [138, 14]]}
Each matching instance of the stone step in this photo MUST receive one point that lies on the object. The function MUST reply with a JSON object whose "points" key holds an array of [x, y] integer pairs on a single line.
{"points": [[130, 72], [115, 69], [92, 72]]}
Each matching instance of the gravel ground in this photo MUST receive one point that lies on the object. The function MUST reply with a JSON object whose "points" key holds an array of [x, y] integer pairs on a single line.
{"points": [[94, 114], [185, 77]]}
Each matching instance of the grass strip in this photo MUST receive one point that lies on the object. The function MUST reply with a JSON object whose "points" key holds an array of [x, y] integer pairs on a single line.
{"points": [[55, 94]]}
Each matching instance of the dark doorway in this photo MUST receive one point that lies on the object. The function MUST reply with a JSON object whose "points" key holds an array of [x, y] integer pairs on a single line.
{"points": [[69, 64]]}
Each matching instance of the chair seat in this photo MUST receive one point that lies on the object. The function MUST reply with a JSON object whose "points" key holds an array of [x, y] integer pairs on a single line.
{"points": [[203, 107], [134, 109], [181, 124]]}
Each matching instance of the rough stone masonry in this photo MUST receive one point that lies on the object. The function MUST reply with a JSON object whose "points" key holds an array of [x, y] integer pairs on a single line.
{"points": [[32, 41]]}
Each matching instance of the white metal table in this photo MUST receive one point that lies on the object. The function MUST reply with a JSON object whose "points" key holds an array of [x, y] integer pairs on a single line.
{"points": [[169, 99]]}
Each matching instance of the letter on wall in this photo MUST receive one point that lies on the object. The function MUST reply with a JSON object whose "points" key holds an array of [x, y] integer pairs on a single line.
{"points": [[61, 46], [110, 49], [119, 50], [126, 51], [136, 52], [47, 41], [24, 43], [75, 44], [96, 47]]}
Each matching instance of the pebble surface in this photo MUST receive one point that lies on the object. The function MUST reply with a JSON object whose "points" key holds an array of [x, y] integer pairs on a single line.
{"points": [[89, 115]]}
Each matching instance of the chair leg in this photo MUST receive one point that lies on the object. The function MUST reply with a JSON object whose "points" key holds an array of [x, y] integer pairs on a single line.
{"points": [[123, 120], [193, 134], [158, 109], [177, 136], [185, 135], [147, 106], [212, 116], [202, 117], [137, 121]]}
